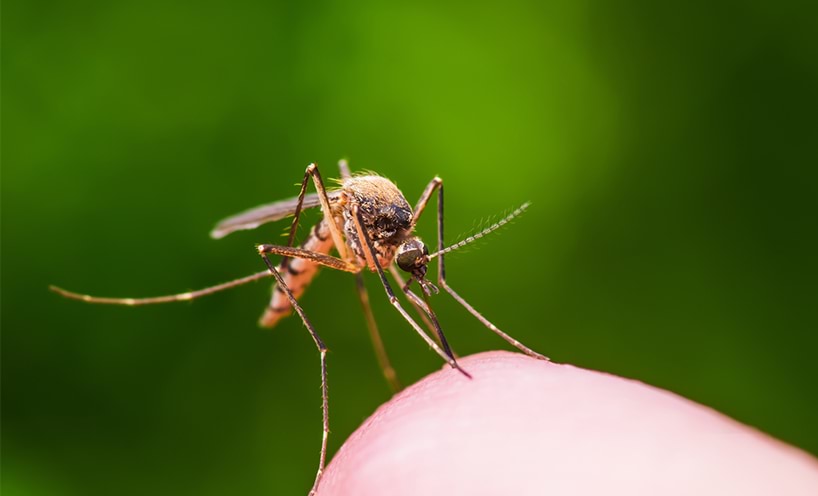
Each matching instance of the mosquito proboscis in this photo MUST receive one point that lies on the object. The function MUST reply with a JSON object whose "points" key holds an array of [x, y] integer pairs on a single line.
{"points": [[370, 225]]}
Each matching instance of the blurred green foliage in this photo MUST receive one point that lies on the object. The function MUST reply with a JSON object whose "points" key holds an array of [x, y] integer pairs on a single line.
{"points": [[669, 151]]}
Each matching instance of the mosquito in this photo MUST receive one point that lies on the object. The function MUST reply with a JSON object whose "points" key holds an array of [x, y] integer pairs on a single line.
{"points": [[369, 224]]}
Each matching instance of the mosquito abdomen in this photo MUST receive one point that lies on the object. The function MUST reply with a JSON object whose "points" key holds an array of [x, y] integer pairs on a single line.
{"points": [[297, 274]]}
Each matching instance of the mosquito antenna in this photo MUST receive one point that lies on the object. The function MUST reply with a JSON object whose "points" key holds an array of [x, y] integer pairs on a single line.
{"points": [[191, 295], [474, 237]]}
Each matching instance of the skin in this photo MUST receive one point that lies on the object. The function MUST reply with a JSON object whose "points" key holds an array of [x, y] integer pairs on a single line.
{"points": [[524, 426]]}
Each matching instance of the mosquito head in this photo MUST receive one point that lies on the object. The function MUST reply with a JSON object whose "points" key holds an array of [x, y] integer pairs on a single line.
{"points": [[413, 257]]}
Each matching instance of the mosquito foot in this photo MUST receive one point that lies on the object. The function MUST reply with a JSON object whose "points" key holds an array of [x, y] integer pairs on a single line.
{"points": [[536, 355], [456, 366]]}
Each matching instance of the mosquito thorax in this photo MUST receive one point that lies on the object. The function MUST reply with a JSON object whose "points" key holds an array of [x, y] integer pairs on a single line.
{"points": [[413, 256]]}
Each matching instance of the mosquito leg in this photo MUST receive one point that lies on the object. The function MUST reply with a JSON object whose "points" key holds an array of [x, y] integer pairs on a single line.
{"points": [[441, 281], [520, 346], [337, 239], [278, 305], [335, 229], [312, 172], [424, 304], [434, 184], [275, 311], [297, 214], [416, 302], [369, 251], [322, 349], [190, 295], [268, 319], [319, 258], [377, 343]]}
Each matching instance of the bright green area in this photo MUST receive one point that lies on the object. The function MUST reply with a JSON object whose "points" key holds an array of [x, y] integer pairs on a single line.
{"points": [[670, 154]]}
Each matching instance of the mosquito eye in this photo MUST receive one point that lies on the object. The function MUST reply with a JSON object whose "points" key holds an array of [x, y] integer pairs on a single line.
{"points": [[407, 259], [411, 255]]}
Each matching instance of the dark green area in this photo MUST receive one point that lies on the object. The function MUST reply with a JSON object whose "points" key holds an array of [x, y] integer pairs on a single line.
{"points": [[670, 153]]}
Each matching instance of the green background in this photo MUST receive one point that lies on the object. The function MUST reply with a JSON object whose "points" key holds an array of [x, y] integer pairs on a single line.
{"points": [[670, 153]]}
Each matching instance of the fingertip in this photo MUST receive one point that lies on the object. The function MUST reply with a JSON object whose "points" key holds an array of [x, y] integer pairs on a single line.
{"points": [[522, 425]]}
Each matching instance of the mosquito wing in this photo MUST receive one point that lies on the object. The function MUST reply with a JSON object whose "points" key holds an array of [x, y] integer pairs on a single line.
{"points": [[251, 219]]}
